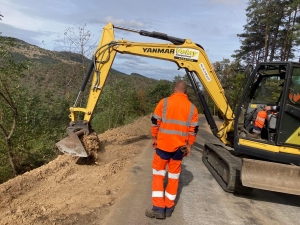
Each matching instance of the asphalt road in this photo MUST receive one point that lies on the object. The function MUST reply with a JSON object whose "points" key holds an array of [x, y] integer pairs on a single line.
{"points": [[200, 199]]}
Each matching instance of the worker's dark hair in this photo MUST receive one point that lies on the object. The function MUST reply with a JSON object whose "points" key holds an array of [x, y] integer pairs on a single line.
{"points": [[181, 86]]}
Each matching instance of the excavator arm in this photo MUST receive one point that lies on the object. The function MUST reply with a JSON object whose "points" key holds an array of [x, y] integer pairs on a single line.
{"points": [[185, 53]]}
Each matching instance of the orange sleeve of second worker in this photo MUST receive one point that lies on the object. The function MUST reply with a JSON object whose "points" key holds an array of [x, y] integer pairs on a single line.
{"points": [[296, 97], [157, 112], [192, 132]]}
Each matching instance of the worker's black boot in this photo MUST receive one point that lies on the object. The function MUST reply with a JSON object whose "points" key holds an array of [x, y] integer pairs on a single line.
{"points": [[152, 214], [168, 214], [169, 211]]}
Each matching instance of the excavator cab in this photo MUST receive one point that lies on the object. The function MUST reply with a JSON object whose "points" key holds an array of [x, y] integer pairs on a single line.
{"points": [[265, 89], [274, 84]]}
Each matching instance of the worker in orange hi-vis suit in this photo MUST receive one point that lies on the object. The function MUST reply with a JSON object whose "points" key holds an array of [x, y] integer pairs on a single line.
{"points": [[259, 123], [174, 129]]}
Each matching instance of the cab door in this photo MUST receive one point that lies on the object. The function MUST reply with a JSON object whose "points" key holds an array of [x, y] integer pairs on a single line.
{"points": [[289, 126]]}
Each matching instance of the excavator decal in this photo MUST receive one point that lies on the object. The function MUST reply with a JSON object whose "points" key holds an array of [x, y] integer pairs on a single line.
{"points": [[159, 50], [186, 54], [205, 72]]}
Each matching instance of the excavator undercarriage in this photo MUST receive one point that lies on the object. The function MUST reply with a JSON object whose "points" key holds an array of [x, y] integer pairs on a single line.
{"points": [[240, 174], [225, 167]]}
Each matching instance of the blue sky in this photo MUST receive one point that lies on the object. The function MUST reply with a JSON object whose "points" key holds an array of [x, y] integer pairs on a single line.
{"points": [[214, 24]]}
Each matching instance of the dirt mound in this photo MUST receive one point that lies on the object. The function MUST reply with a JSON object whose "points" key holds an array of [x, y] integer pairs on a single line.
{"points": [[67, 192]]}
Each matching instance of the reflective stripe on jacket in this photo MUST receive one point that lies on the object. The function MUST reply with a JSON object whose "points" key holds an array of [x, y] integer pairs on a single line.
{"points": [[260, 119], [174, 122]]}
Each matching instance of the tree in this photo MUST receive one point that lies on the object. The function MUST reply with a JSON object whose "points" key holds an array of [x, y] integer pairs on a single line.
{"points": [[231, 79], [0, 20], [10, 72], [78, 39], [119, 104], [190, 91], [177, 78], [163, 89], [290, 32], [271, 32]]}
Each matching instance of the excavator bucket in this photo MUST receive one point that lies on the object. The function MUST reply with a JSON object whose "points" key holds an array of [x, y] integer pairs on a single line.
{"points": [[271, 176], [71, 145]]}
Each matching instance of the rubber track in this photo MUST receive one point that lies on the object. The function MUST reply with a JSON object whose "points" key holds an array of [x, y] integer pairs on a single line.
{"points": [[234, 164]]}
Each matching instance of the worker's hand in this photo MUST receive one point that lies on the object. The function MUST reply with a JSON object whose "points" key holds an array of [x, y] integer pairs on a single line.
{"points": [[184, 150], [154, 142], [189, 149], [267, 108]]}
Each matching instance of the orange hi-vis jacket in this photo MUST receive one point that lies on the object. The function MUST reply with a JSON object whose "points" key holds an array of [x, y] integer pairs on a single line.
{"points": [[260, 119], [174, 122], [294, 97]]}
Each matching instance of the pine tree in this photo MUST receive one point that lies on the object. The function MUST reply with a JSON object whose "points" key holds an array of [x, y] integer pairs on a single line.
{"points": [[271, 32]]}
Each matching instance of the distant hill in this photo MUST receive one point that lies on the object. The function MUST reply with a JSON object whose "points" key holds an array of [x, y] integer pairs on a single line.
{"points": [[59, 71], [23, 51], [136, 75]]}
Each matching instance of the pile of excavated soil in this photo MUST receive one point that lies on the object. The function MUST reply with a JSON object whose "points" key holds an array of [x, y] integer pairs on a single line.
{"points": [[66, 191]]}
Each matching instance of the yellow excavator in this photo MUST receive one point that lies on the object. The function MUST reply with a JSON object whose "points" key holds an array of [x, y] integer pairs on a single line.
{"points": [[242, 161]]}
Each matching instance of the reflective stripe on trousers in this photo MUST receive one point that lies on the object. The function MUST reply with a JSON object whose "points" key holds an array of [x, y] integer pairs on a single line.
{"points": [[165, 198]]}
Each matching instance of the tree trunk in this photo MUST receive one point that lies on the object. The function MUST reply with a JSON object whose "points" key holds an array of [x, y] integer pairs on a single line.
{"points": [[266, 43], [6, 96], [285, 48], [11, 157], [289, 45], [275, 34], [267, 32]]}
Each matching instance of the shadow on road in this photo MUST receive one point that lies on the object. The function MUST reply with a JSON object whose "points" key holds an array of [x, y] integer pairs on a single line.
{"points": [[272, 197], [185, 179], [198, 147]]}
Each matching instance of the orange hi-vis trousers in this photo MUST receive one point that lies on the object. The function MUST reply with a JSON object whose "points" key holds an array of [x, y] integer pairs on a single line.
{"points": [[164, 199]]}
